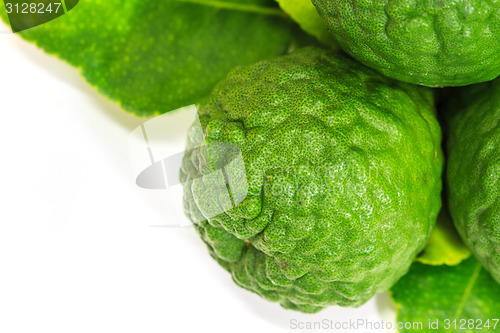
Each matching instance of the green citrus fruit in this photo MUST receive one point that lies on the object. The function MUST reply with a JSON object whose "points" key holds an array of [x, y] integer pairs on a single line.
{"points": [[343, 170], [427, 42], [473, 171]]}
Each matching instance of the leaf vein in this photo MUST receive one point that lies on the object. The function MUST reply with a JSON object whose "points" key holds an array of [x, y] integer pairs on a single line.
{"points": [[468, 290]]}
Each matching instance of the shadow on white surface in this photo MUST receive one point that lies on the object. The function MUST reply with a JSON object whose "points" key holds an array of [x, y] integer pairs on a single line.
{"points": [[385, 306], [335, 318]]}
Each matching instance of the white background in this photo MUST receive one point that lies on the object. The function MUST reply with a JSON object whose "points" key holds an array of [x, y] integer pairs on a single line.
{"points": [[82, 248]]}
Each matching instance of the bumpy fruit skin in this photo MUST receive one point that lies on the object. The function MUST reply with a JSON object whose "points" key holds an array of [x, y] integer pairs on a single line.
{"points": [[343, 168], [434, 43], [473, 170]]}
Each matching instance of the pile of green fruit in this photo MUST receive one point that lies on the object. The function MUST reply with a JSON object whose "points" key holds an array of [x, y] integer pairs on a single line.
{"points": [[355, 152], [359, 131]]}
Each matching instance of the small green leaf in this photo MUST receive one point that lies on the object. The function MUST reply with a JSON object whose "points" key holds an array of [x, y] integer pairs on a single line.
{"points": [[445, 245], [304, 13], [462, 298], [153, 56]]}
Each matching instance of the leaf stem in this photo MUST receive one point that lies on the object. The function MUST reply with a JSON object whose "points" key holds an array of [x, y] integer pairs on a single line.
{"points": [[239, 7]]}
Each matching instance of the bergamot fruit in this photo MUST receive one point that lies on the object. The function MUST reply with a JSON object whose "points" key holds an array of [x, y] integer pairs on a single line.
{"points": [[432, 43], [343, 168], [473, 171]]}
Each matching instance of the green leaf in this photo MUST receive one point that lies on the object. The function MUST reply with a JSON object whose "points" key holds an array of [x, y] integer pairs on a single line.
{"points": [[445, 245], [304, 13], [153, 56], [441, 294]]}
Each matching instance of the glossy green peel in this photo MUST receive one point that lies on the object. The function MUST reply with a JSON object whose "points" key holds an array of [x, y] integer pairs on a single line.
{"points": [[343, 169], [473, 173], [432, 43]]}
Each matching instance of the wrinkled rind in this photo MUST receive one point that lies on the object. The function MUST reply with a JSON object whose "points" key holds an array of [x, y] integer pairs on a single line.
{"points": [[306, 237], [431, 43], [473, 170]]}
